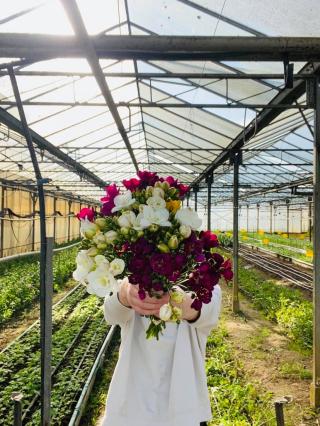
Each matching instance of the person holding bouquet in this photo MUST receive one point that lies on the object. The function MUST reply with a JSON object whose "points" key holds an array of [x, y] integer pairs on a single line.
{"points": [[159, 383], [159, 277]]}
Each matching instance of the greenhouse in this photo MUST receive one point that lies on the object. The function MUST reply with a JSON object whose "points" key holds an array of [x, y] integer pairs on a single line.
{"points": [[155, 156]]}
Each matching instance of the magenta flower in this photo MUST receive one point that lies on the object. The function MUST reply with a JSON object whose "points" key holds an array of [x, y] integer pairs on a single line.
{"points": [[86, 213], [209, 240], [131, 184], [183, 189], [147, 179], [171, 181], [107, 207], [112, 191]]}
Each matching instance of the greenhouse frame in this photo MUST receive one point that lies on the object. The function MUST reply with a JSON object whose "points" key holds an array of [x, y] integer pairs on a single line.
{"points": [[222, 95]]}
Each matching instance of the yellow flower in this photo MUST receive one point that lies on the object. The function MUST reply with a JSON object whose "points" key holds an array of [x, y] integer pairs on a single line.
{"points": [[173, 205]]}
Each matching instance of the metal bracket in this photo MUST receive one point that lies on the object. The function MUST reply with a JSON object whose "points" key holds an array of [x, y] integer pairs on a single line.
{"points": [[288, 74], [236, 156], [209, 179], [311, 93]]}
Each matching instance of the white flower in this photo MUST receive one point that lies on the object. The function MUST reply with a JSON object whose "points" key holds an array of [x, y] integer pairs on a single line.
{"points": [[84, 266], [101, 282], [110, 236], [165, 312], [99, 238], [156, 202], [129, 220], [185, 231], [117, 266], [158, 192], [149, 216], [122, 201], [88, 229], [101, 261], [188, 217]]}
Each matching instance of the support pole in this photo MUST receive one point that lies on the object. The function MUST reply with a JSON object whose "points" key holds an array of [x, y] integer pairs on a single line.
{"points": [[55, 218], [248, 207], [258, 217], [3, 198], [235, 289], [288, 217], [315, 385], [17, 410], [271, 212], [69, 219], [209, 182], [45, 312], [196, 189], [188, 199], [310, 218], [33, 233]]}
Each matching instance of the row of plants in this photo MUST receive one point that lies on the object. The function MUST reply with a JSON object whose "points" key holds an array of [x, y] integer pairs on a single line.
{"points": [[74, 349], [283, 305], [281, 244], [17, 354], [234, 401], [19, 281]]}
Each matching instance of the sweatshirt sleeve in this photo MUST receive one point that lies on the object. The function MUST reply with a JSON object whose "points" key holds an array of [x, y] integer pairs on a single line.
{"points": [[115, 312], [210, 312]]}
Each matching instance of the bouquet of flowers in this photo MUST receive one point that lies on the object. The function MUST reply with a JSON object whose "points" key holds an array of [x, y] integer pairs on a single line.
{"points": [[144, 234]]}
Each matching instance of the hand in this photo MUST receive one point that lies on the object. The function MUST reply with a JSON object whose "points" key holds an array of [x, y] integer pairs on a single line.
{"points": [[128, 296], [188, 313]]}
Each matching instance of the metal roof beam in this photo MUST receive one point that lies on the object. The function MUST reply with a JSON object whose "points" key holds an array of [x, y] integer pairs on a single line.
{"points": [[264, 118], [161, 75], [14, 124], [39, 46], [88, 48]]}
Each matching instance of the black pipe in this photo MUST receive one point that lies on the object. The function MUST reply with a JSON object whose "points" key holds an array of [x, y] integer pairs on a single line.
{"points": [[45, 346]]}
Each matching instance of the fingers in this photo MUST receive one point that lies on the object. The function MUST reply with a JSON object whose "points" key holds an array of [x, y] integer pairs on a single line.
{"points": [[147, 306]]}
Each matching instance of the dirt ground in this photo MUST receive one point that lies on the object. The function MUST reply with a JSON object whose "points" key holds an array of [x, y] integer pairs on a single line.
{"points": [[269, 360]]}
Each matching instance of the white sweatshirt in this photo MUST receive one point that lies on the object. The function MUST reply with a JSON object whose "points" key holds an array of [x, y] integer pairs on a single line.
{"points": [[160, 383]]}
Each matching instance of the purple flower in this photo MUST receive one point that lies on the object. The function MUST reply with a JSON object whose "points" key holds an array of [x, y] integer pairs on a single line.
{"points": [[142, 246], [142, 294], [147, 179], [209, 239], [196, 304]]}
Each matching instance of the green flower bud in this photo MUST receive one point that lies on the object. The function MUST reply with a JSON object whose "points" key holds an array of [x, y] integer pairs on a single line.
{"points": [[163, 248], [101, 222], [165, 186], [124, 231], [153, 228], [173, 242], [92, 252], [140, 234], [172, 191], [176, 313], [177, 296], [101, 246]]}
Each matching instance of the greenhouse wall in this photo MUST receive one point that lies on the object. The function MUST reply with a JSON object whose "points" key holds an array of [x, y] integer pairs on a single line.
{"points": [[275, 218], [20, 220]]}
